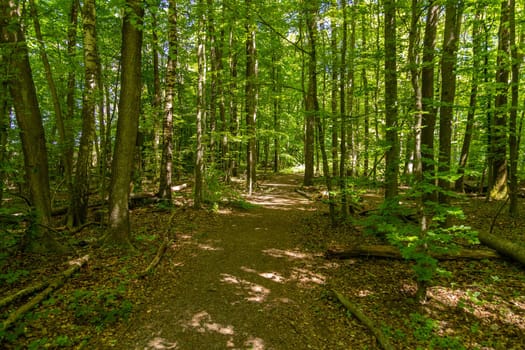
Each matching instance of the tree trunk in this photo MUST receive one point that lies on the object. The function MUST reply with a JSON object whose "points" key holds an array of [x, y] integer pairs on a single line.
{"points": [[453, 14], [513, 132], [251, 100], [127, 125], [166, 166], [5, 107], [311, 32], [201, 113], [65, 143], [476, 61], [391, 137], [80, 194], [429, 113], [414, 38], [22, 89], [499, 188], [342, 111], [334, 88]]}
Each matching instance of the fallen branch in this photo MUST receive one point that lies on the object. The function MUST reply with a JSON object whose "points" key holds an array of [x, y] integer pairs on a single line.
{"points": [[380, 336], [21, 293], [386, 251], [56, 284], [503, 246], [156, 259]]}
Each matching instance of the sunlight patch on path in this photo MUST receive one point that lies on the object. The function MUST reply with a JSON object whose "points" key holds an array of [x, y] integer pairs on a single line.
{"points": [[202, 322], [256, 292], [159, 343], [289, 254]]}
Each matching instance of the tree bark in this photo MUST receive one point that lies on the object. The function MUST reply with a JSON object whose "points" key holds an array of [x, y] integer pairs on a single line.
{"points": [[22, 89], [513, 132], [251, 100], [476, 62], [309, 150], [166, 164], [391, 111], [127, 125], [201, 108], [499, 187], [380, 336], [503, 246], [80, 194], [390, 252], [453, 15]]}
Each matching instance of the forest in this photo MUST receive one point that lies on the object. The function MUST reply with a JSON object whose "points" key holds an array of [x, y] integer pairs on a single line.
{"points": [[350, 170]]}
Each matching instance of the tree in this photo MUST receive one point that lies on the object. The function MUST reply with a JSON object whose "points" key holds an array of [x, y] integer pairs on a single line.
{"points": [[251, 99], [127, 126], [391, 137], [19, 79], [311, 32], [80, 195], [166, 167], [453, 14], [475, 80], [513, 130], [201, 101], [428, 122], [499, 187]]}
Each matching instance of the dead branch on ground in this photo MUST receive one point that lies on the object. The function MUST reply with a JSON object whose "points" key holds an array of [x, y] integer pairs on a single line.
{"points": [[56, 284], [380, 336]]}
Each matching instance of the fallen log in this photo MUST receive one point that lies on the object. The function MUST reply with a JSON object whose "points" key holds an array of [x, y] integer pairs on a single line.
{"points": [[57, 283], [386, 251], [503, 246], [380, 336], [21, 293]]}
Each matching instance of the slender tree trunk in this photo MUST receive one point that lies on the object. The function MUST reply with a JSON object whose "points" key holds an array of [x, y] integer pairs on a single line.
{"points": [[334, 88], [233, 107], [127, 125], [5, 106], [499, 188], [166, 169], [429, 113], [453, 15], [467, 138], [391, 137], [342, 111], [415, 76], [213, 82], [80, 197], [201, 103], [59, 119], [311, 32], [251, 100], [513, 132], [276, 110]]}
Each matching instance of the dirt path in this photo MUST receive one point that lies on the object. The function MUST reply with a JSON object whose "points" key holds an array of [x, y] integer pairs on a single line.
{"points": [[239, 282]]}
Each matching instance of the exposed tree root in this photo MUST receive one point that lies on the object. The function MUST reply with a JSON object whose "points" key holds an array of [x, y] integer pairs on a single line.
{"points": [[56, 284], [380, 336]]}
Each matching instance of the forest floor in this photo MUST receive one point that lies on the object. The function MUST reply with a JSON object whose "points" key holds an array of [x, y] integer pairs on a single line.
{"points": [[252, 275]]}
